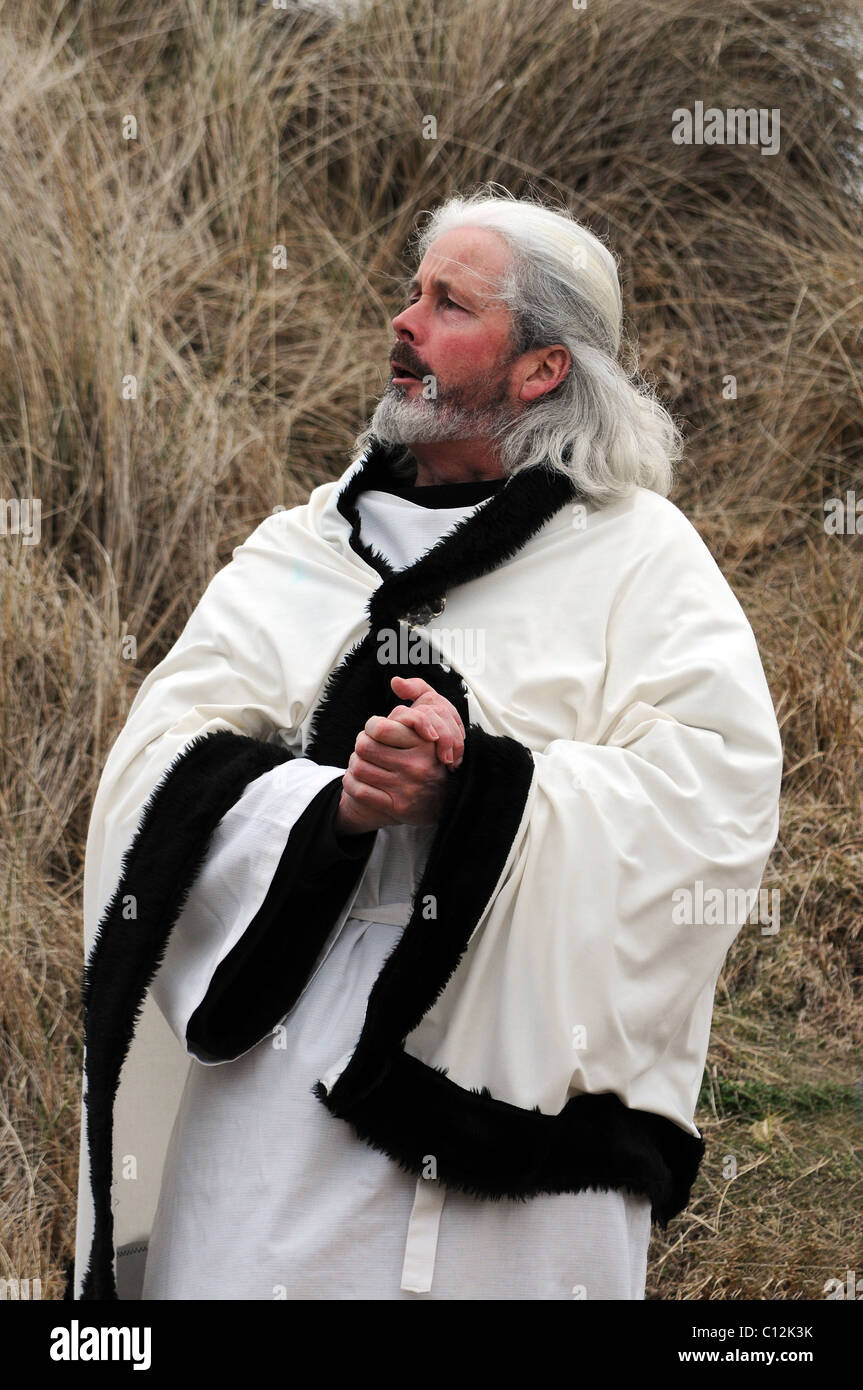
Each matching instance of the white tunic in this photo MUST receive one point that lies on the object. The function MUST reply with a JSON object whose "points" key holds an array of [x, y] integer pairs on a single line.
{"points": [[265, 1194]]}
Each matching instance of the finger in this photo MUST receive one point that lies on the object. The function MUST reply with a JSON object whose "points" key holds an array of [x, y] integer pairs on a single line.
{"points": [[361, 817], [366, 794], [442, 708], [412, 686], [380, 754], [447, 749], [423, 721], [373, 775], [430, 725], [420, 717], [451, 736], [452, 713], [390, 731]]}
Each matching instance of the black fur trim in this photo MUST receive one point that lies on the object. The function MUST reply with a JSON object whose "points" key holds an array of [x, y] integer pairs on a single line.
{"points": [[159, 867], [490, 1149], [260, 980], [476, 545]]}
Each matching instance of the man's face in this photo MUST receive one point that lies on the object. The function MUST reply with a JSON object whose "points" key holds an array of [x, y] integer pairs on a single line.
{"points": [[453, 331]]}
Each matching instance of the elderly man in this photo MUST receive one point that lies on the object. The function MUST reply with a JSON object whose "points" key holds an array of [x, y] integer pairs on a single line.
{"points": [[385, 871]]}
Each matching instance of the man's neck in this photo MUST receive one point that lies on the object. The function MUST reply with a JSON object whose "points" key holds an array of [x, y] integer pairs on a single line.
{"points": [[456, 461]]}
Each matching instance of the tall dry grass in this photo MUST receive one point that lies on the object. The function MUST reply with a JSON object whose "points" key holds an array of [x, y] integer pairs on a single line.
{"points": [[152, 257]]}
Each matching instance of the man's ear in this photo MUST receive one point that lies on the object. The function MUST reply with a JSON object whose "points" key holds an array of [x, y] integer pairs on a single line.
{"points": [[547, 367]]}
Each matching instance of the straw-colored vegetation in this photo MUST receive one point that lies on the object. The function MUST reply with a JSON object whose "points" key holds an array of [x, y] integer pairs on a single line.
{"points": [[152, 257]]}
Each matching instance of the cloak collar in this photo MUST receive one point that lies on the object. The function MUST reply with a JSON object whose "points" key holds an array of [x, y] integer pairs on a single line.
{"points": [[477, 544]]}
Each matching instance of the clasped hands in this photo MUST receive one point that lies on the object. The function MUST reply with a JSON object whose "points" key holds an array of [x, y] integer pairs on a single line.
{"points": [[397, 773]]}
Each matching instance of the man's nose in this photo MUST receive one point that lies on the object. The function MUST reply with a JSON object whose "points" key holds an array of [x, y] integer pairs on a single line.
{"points": [[406, 322]]}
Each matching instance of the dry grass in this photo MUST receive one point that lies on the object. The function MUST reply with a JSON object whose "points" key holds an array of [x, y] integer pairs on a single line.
{"points": [[153, 257]]}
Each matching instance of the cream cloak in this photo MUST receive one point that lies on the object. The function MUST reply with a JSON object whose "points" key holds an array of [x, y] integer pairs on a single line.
{"points": [[547, 1030]]}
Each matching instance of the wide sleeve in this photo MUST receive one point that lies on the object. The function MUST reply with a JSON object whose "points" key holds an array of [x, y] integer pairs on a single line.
{"points": [[250, 661], [227, 704], [620, 864], [259, 913]]}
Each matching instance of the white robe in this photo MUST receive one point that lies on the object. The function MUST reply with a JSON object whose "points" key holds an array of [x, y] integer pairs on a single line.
{"points": [[265, 1195]]}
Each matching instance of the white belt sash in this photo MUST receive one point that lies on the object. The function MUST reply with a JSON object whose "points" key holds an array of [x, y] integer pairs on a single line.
{"points": [[421, 1244], [390, 914]]}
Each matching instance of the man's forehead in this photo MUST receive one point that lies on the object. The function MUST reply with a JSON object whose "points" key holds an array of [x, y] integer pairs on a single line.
{"points": [[455, 273]]}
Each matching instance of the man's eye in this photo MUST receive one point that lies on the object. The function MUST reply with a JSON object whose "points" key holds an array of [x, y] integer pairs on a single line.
{"points": [[444, 300]]}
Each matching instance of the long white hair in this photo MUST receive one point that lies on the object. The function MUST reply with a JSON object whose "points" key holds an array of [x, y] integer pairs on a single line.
{"points": [[603, 424]]}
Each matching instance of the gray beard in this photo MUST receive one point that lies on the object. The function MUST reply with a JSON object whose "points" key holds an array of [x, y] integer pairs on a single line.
{"points": [[403, 419]]}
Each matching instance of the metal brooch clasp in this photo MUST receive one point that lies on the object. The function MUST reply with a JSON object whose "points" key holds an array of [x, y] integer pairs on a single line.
{"points": [[418, 617]]}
